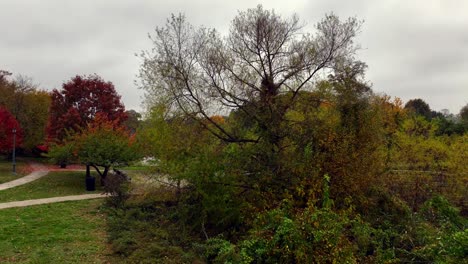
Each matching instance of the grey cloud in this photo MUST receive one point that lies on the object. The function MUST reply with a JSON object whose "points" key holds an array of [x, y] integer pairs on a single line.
{"points": [[413, 48]]}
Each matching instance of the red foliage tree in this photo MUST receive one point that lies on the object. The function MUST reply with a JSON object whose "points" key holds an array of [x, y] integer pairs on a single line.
{"points": [[7, 124], [79, 101]]}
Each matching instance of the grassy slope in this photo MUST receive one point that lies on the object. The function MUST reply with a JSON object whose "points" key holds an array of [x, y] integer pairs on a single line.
{"points": [[6, 174], [71, 232], [52, 185]]}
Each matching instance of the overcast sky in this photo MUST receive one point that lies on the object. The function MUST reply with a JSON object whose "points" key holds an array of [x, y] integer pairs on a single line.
{"points": [[414, 48]]}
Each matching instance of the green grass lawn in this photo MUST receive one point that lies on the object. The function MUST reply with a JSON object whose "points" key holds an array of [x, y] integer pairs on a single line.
{"points": [[52, 185], [69, 232], [136, 168], [6, 168]]}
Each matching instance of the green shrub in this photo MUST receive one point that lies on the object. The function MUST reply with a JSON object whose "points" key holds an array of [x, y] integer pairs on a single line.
{"points": [[449, 243], [61, 154], [310, 236], [118, 187], [435, 233], [147, 232], [457, 245], [439, 211], [218, 250]]}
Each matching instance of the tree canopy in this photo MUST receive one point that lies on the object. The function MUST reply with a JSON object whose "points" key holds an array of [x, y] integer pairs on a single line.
{"points": [[28, 104], [419, 107], [464, 113], [104, 143], [198, 72], [278, 151], [79, 101]]}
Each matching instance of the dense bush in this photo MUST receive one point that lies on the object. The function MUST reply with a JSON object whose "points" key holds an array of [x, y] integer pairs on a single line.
{"points": [[250, 203], [152, 230], [323, 236], [61, 154], [148, 232], [118, 187], [296, 171]]}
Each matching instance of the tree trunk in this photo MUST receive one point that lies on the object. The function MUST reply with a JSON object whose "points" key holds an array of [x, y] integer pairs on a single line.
{"points": [[104, 176]]}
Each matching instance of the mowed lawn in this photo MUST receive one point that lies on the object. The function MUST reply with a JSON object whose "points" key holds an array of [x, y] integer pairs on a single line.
{"points": [[69, 232], [6, 170], [52, 185]]}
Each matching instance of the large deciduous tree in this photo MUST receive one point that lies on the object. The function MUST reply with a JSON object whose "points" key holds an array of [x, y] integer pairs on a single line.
{"points": [[34, 118], [28, 104], [7, 124], [264, 56], [419, 107], [257, 75], [79, 101]]}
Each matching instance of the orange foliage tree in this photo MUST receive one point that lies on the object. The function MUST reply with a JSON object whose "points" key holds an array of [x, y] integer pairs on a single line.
{"points": [[105, 143]]}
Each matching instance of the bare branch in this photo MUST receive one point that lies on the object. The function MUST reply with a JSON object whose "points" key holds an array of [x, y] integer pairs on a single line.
{"points": [[263, 57]]}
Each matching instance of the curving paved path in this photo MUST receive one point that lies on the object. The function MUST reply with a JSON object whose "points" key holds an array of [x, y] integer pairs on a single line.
{"points": [[40, 171], [50, 200]]}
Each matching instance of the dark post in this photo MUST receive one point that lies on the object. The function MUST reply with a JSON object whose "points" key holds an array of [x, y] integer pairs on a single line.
{"points": [[90, 181], [14, 150], [88, 174]]}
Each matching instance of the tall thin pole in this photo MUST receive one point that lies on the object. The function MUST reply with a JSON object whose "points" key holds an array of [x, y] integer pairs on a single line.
{"points": [[14, 150]]}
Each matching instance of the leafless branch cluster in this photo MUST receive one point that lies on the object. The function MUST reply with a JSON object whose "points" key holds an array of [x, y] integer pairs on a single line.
{"points": [[200, 73]]}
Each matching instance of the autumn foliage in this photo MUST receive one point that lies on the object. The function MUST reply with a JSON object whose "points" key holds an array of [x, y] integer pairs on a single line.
{"points": [[104, 143], [28, 104], [79, 101], [7, 124], [300, 168]]}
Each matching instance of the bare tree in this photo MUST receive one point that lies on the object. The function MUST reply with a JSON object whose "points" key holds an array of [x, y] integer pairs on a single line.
{"points": [[264, 56], [23, 85], [3, 76], [14, 91]]}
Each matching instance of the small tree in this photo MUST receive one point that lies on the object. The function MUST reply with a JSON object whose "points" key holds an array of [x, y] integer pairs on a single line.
{"points": [[104, 143], [61, 154]]}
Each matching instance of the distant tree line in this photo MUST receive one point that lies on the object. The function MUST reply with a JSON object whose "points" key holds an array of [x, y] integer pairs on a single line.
{"points": [[448, 123]]}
